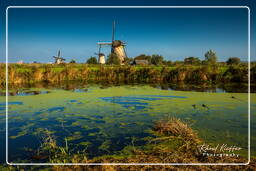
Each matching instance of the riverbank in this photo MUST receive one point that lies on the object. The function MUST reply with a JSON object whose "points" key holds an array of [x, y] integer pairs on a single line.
{"points": [[33, 73]]}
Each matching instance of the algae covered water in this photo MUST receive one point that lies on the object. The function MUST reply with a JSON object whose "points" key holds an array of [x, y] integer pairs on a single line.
{"points": [[103, 120]]}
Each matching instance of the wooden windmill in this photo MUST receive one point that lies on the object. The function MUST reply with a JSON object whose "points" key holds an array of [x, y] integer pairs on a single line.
{"points": [[117, 48], [58, 59]]}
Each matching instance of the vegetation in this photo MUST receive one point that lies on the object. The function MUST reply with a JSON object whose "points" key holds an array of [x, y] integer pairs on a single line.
{"points": [[211, 57], [92, 60], [113, 59], [173, 142], [191, 70], [233, 61], [167, 63], [221, 73], [157, 59], [192, 60], [144, 57], [154, 59], [72, 61], [128, 61]]}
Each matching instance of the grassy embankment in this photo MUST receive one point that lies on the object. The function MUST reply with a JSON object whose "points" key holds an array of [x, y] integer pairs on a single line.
{"points": [[32, 73], [173, 142]]}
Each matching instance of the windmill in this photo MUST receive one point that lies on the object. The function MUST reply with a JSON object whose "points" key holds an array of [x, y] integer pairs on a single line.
{"points": [[58, 59], [117, 48]]}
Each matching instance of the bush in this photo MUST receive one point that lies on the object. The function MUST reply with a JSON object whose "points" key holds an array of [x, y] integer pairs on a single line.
{"points": [[113, 59], [192, 60], [233, 61], [157, 59], [92, 60], [72, 61]]}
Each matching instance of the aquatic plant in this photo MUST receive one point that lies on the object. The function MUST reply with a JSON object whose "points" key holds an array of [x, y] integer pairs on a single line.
{"points": [[174, 127], [174, 142]]}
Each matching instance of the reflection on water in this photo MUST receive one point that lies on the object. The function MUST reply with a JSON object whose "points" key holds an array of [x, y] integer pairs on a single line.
{"points": [[11, 103], [81, 90], [116, 115], [60, 109], [219, 88], [81, 87], [23, 93], [137, 102]]}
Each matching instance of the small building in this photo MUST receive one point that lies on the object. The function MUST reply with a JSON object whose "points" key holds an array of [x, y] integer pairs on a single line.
{"points": [[140, 62]]}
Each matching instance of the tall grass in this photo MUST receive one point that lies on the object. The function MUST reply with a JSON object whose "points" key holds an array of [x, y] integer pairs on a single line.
{"points": [[32, 73]]}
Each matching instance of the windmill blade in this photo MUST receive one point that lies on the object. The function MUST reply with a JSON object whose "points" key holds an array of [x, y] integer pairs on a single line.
{"points": [[125, 52], [113, 30], [99, 49], [61, 58], [59, 53], [104, 43]]}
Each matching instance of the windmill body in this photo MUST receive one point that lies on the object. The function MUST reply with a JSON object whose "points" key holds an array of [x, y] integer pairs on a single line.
{"points": [[117, 48], [58, 59], [102, 58]]}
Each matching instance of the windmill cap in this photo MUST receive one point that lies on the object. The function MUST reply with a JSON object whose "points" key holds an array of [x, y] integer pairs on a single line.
{"points": [[117, 43]]}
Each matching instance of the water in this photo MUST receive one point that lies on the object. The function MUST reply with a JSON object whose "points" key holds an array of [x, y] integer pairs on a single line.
{"points": [[94, 116]]}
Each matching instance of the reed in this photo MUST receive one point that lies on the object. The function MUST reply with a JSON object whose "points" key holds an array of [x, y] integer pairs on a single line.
{"points": [[32, 73]]}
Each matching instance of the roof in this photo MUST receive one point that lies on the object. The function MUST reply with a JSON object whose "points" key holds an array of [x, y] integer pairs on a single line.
{"points": [[141, 62]]}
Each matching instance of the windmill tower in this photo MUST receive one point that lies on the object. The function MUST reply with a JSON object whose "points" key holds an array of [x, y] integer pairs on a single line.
{"points": [[117, 48], [58, 59]]}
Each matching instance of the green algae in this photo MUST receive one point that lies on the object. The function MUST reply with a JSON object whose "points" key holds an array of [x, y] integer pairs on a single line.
{"points": [[21, 133], [88, 120]]}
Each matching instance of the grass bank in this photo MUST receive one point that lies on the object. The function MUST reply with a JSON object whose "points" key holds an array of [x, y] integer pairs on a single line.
{"points": [[32, 73], [173, 142]]}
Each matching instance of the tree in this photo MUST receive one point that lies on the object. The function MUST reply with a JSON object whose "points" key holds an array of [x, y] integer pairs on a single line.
{"points": [[157, 59], [168, 63], [113, 59], [192, 60], [233, 61], [128, 60], [72, 61], [211, 57], [92, 60]]}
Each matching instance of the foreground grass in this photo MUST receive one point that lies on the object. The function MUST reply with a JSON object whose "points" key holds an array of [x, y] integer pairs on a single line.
{"points": [[173, 142]]}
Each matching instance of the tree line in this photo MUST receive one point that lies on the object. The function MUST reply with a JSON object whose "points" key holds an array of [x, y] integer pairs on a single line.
{"points": [[155, 59]]}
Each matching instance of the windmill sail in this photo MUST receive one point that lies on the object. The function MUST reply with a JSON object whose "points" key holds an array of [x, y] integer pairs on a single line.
{"points": [[117, 47], [113, 31], [59, 53], [58, 59]]}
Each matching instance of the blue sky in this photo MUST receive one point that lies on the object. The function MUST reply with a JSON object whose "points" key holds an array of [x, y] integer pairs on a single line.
{"points": [[37, 34]]}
